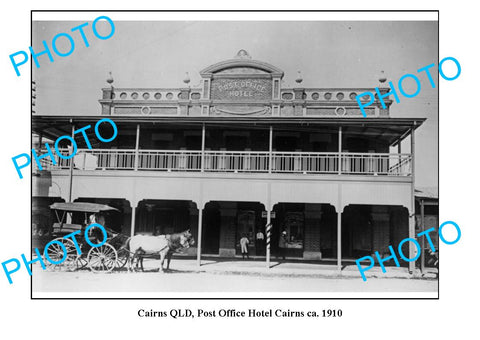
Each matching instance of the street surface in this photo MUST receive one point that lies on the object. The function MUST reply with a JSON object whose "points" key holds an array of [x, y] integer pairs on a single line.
{"points": [[193, 281]]}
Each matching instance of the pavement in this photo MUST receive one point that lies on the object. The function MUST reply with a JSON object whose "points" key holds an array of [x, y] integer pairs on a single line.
{"points": [[221, 275], [285, 268]]}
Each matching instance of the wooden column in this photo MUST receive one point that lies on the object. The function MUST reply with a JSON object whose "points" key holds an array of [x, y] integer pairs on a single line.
{"points": [[40, 139], [268, 234], [339, 240], [199, 243], [202, 160], [339, 227], [399, 145], [132, 222], [268, 208], [339, 150], [39, 149], [70, 176], [137, 144], [270, 148], [411, 229], [422, 244]]}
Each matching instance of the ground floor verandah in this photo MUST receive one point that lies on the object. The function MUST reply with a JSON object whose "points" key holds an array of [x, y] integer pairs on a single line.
{"points": [[314, 232]]}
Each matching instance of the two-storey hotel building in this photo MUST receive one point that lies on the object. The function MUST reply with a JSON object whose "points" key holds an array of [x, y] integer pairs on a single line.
{"points": [[237, 152]]}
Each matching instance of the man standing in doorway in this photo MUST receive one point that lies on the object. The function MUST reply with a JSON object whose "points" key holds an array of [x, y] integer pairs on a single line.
{"points": [[244, 246], [260, 243], [282, 244]]}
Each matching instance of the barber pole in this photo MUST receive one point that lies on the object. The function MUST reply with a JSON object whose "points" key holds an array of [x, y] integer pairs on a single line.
{"points": [[269, 233]]}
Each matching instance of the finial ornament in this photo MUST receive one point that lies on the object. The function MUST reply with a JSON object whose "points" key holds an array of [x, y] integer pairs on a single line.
{"points": [[186, 80], [299, 78], [242, 54], [382, 78], [110, 78]]}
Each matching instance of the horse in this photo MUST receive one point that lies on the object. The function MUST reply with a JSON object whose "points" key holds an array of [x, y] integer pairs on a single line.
{"points": [[163, 245]]}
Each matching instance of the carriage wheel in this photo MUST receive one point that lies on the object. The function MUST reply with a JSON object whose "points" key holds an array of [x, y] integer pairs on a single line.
{"points": [[56, 253], [102, 259], [122, 258]]}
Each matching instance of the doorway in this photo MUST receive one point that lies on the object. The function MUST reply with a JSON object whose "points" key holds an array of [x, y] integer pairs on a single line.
{"points": [[211, 230]]}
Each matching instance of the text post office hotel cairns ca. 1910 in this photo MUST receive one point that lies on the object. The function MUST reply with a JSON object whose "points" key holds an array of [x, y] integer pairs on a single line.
{"points": [[237, 152]]}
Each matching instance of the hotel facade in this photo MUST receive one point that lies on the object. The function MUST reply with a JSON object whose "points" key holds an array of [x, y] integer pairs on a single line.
{"points": [[236, 153]]}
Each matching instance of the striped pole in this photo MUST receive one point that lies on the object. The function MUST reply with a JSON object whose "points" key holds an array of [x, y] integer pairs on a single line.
{"points": [[268, 231]]}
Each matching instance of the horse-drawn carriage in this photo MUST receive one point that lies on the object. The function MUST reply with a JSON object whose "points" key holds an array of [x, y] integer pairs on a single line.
{"points": [[110, 255], [114, 252]]}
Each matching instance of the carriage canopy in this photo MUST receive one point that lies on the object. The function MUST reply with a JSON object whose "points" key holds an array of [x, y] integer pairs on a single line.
{"points": [[82, 207]]}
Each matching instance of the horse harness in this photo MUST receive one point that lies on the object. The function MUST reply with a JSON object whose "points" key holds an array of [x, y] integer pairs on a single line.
{"points": [[174, 246]]}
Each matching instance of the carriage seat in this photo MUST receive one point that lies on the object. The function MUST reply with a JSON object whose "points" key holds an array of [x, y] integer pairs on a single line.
{"points": [[66, 228]]}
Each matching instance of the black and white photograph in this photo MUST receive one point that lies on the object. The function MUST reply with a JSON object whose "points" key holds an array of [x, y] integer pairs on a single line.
{"points": [[236, 155]]}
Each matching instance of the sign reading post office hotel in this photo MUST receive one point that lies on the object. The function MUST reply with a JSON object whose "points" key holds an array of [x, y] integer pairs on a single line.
{"points": [[235, 89]]}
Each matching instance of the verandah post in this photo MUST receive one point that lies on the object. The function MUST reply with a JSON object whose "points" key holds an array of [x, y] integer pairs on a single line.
{"points": [[199, 243], [422, 221], [339, 150], [270, 147], [411, 229], [70, 176], [202, 160], [268, 232], [339, 240], [137, 142], [132, 222]]}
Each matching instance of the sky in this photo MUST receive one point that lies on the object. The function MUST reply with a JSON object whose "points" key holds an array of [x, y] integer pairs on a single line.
{"points": [[328, 54]]}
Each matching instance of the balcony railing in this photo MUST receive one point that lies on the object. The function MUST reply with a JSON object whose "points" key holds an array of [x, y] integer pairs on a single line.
{"points": [[236, 161], [383, 164], [169, 160]]}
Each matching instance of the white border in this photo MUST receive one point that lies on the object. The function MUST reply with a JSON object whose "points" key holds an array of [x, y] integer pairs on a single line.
{"points": [[240, 16]]}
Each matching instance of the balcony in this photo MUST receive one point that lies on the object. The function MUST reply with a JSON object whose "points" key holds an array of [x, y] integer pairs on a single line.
{"points": [[374, 164]]}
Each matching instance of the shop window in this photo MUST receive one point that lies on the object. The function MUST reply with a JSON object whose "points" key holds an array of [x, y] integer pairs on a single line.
{"points": [[294, 227]]}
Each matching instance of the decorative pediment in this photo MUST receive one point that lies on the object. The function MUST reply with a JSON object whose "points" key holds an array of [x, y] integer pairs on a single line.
{"points": [[242, 70], [241, 64]]}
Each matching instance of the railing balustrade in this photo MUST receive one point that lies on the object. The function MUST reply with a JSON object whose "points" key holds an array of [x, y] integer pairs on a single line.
{"points": [[236, 161], [377, 164], [169, 160], [305, 162]]}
